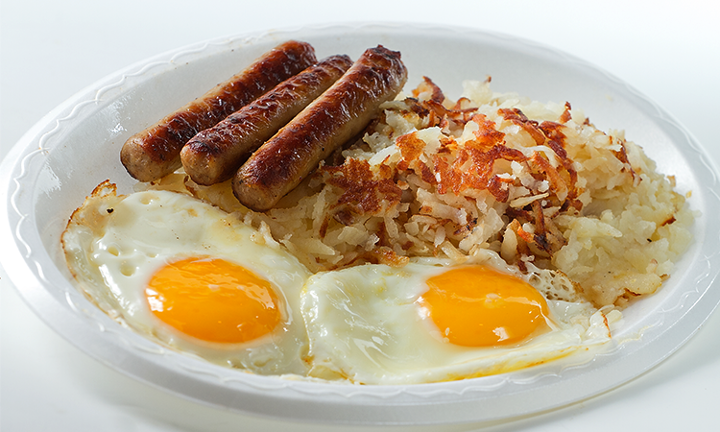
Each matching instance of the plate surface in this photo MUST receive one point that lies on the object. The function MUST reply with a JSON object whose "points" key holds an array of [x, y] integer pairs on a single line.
{"points": [[76, 146]]}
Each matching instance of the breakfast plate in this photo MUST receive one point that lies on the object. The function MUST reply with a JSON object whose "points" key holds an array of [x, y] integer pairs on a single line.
{"points": [[75, 147]]}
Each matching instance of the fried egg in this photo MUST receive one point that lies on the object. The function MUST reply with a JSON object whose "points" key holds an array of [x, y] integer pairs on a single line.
{"points": [[429, 322], [191, 277]]}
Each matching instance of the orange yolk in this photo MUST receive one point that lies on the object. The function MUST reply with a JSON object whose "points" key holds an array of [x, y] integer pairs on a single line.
{"points": [[213, 300], [478, 306]]}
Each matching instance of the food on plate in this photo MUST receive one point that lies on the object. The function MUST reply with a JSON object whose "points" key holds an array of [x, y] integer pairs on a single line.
{"points": [[215, 154], [155, 152], [451, 239], [191, 276], [340, 113]]}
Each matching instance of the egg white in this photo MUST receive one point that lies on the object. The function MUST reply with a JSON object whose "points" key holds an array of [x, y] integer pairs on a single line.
{"points": [[364, 326], [113, 245], [360, 324]]}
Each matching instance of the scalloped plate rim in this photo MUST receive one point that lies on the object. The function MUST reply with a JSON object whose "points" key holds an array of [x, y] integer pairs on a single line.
{"points": [[37, 297]]}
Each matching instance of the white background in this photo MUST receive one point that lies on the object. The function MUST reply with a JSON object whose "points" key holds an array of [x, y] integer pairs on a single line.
{"points": [[668, 50]]}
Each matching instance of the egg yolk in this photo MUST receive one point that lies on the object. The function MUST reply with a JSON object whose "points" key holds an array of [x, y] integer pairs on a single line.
{"points": [[478, 306], [213, 300]]}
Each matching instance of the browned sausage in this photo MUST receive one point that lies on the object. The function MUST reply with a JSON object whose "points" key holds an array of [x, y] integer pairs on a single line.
{"points": [[155, 152], [337, 115], [215, 154]]}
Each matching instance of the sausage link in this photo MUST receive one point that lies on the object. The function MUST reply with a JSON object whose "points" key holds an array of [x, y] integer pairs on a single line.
{"points": [[340, 113], [155, 152], [215, 154]]}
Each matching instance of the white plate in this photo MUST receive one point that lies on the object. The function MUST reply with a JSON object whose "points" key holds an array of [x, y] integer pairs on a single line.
{"points": [[76, 146]]}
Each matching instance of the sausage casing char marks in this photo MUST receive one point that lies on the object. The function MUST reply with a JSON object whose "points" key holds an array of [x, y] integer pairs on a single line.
{"points": [[215, 154], [155, 152], [339, 114]]}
